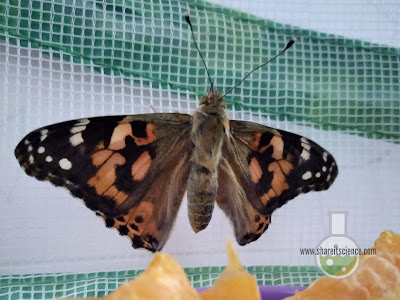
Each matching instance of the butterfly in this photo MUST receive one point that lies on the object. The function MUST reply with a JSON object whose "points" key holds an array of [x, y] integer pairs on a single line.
{"points": [[134, 170]]}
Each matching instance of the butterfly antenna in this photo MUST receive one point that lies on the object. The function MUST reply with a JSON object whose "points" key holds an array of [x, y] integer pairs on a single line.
{"points": [[288, 45], [187, 18]]}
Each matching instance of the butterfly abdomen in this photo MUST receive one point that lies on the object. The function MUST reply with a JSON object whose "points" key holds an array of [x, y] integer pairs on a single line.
{"points": [[207, 137], [202, 192]]}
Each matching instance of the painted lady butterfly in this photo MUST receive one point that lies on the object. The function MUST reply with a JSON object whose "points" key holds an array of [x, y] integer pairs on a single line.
{"points": [[133, 171]]}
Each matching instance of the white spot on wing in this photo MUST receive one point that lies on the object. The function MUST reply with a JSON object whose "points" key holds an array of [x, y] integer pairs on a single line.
{"points": [[31, 160], [82, 122], [30, 148], [304, 139], [40, 149], [99, 213], [78, 129], [43, 133], [318, 175], [307, 175], [76, 139], [305, 154], [49, 159], [324, 169], [65, 164], [325, 156], [26, 142], [306, 146]]}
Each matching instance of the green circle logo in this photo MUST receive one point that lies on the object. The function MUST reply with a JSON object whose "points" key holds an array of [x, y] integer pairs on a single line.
{"points": [[337, 257]]}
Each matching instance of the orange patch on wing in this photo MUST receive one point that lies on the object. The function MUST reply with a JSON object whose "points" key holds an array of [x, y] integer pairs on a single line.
{"points": [[105, 176], [117, 195], [144, 212], [256, 142], [255, 170], [141, 166], [286, 166], [278, 183], [99, 157], [267, 196], [151, 137], [277, 144], [122, 221], [279, 169], [119, 134]]}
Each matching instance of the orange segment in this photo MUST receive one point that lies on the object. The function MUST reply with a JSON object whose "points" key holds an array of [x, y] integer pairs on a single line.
{"points": [[164, 279], [377, 277], [235, 283]]}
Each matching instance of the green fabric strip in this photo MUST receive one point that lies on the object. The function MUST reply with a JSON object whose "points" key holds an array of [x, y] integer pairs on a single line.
{"points": [[50, 286], [325, 81]]}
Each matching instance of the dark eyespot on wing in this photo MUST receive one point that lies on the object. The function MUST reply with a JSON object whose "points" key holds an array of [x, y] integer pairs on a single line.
{"points": [[139, 129]]}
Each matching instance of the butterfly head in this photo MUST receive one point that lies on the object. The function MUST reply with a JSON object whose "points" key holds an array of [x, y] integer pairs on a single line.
{"points": [[213, 98]]}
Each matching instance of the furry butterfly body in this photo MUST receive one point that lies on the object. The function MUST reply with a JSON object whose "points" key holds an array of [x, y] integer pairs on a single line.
{"points": [[133, 171]]}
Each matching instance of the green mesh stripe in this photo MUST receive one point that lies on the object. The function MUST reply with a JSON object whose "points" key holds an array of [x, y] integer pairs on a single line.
{"points": [[325, 81], [50, 286]]}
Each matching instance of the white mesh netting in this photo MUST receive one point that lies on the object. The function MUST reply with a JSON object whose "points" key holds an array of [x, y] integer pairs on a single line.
{"points": [[61, 61]]}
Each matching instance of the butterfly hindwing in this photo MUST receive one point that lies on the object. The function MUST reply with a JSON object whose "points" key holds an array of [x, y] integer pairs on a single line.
{"points": [[271, 167], [248, 224], [118, 165]]}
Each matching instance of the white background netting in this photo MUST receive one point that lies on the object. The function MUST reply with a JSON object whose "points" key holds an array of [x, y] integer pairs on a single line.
{"points": [[44, 229]]}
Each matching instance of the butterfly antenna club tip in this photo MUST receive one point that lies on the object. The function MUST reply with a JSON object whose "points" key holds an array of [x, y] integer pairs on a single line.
{"points": [[288, 45], [291, 42], [186, 14]]}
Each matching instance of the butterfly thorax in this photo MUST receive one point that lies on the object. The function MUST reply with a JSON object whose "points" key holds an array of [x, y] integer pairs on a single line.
{"points": [[210, 126]]}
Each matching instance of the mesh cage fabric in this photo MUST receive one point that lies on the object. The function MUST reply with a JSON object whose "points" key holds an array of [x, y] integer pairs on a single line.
{"points": [[62, 60]]}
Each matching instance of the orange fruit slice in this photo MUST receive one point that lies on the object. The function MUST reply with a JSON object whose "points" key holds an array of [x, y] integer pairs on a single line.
{"points": [[234, 283], [164, 279], [377, 277]]}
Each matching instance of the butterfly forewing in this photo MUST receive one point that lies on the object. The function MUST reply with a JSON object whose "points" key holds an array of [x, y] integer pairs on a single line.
{"points": [[280, 165], [129, 169]]}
